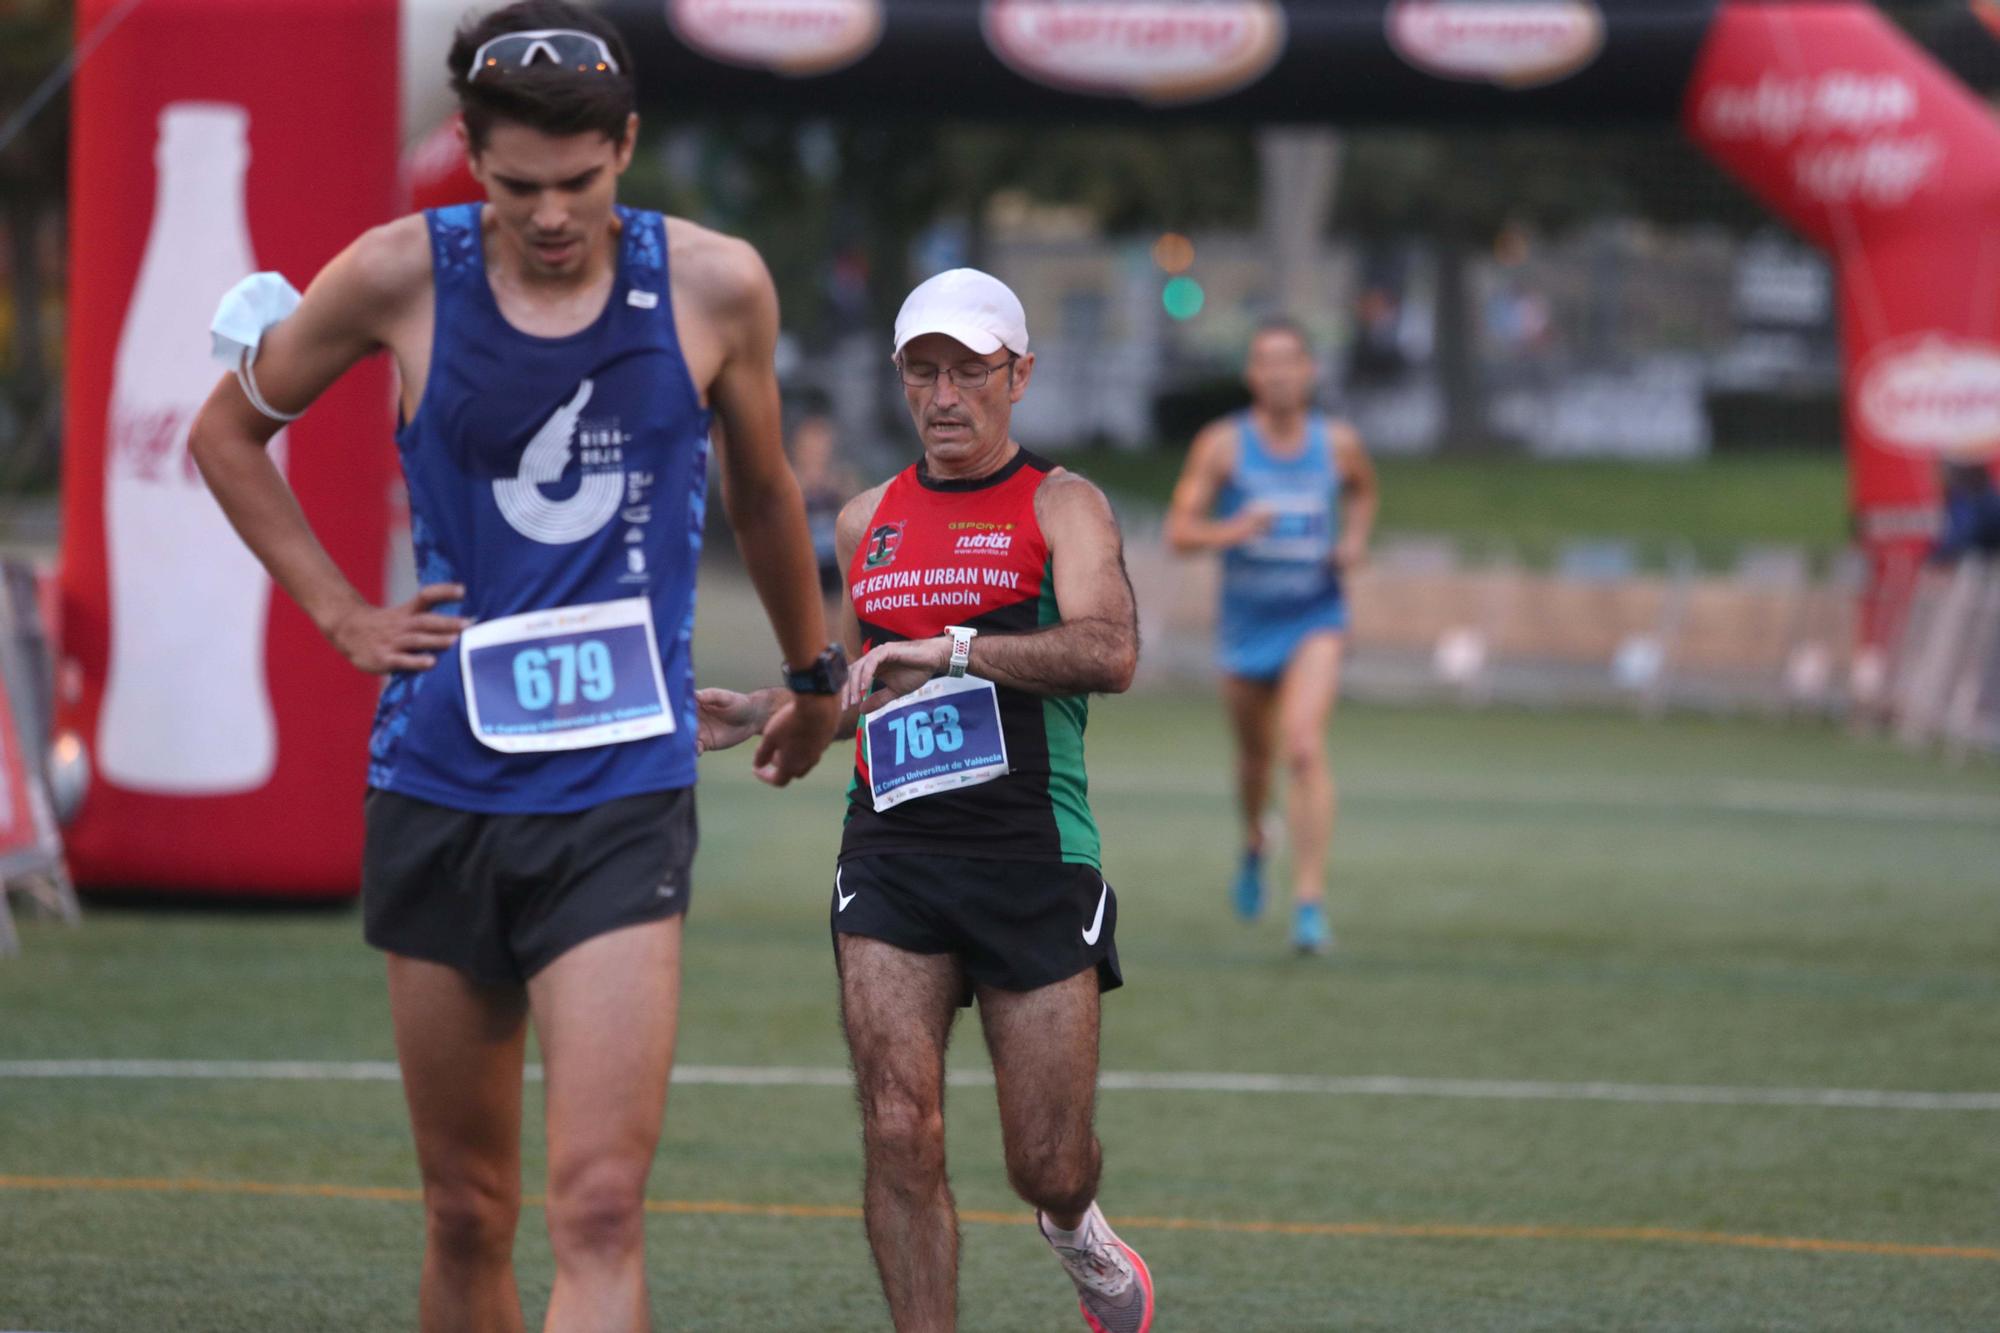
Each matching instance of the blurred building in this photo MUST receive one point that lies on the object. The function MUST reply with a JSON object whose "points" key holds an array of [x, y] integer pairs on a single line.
{"points": [[1619, 339]]}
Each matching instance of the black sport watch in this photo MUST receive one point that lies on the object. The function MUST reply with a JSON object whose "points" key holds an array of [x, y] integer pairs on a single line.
{"points": [[826, 674]]}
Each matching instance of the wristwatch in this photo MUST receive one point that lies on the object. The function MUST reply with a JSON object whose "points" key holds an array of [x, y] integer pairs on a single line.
{"points": [[825, 674], [961, 647]]}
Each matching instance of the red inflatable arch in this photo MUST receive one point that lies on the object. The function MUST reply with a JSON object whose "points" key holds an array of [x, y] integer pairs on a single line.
{"points": [[227, 740], [218, 136], [1858, 139]]}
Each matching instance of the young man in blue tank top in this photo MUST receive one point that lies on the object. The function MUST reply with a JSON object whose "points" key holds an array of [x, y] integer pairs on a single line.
{"points": [[1287, 495], [530, 807]]}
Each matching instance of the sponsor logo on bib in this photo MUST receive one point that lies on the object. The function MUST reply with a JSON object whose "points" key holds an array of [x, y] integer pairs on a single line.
{"points": [[1157, 51], [790, 37], [1511, 43]]}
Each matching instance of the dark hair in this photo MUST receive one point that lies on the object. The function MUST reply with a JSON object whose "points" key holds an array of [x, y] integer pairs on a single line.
{"points": [[542, 97], [1284, 324], [1970, 478]]}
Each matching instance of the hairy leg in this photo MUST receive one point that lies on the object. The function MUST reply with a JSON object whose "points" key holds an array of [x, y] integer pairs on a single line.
{"points": [[898, 1008], [1044, 1048]]}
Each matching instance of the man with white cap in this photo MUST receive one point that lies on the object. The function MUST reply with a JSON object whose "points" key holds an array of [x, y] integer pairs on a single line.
{"points": [[988, 599]]}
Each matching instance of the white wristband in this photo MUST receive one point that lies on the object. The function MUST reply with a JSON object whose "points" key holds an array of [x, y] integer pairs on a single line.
{"points": [[961, 647]]}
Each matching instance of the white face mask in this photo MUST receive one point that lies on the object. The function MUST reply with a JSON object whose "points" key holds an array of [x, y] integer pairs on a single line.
{"points": [[245, 312]]}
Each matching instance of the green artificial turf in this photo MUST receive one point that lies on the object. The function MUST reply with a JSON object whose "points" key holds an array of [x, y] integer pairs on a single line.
{"points": [[1517, 897]]}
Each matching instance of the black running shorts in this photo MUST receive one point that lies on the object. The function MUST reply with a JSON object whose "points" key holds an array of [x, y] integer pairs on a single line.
{"points": [[500, 897], [1014, 925]]}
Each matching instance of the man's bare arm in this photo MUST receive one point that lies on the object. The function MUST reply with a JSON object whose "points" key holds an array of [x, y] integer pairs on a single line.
{"points": [[849, 530], [760, 492], [1094, 650], [762, 496], [344, 316]]}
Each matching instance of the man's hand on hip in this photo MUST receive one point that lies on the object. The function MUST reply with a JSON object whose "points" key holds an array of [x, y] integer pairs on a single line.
{"points": [[408, 637]]}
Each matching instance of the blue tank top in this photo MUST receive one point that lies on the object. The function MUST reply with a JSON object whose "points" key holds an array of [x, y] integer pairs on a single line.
{"points": [[547, 473], [1292, 562]]}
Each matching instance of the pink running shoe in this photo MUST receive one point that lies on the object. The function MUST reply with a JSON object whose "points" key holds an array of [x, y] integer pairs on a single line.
{"points": [[1113, 1286]]}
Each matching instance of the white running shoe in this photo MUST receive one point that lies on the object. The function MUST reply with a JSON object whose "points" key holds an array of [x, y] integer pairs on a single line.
{"points": [[1113, 1286]]}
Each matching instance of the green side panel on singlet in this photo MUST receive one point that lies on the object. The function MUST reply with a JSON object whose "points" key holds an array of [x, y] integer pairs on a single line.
{"points": [[1064, 720]]}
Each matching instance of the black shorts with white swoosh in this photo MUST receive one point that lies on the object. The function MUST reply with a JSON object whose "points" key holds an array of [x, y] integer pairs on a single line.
{"points": [[1014, 925]]}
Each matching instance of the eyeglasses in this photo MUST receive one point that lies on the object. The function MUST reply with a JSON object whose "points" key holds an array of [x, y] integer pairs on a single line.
{"points": [[965, 375], [563, 48]]}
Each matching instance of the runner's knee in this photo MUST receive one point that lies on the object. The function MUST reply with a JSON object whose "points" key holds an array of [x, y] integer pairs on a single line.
{"points": [[1305, 754], [470, 1221], [598, 1208], [1253, 763], [903, 1130], [1056, 1175]]}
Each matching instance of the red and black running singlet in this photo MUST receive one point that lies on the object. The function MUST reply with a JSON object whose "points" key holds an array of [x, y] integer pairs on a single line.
{"points": [[940, 553]]}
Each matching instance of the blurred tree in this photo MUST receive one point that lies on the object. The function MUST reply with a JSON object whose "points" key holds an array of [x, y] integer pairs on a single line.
{"points": [[864, 191], [1458, 189], [35, 37], [1131, 179], [804, 190], [799, 188]]}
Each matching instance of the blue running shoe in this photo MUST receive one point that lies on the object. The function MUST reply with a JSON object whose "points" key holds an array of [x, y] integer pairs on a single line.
{"points": [[1310, 933], [1247, 893]]}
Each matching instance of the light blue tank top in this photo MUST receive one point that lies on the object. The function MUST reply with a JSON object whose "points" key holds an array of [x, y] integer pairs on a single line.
{"points": [[550, 473], [1292, 562]]}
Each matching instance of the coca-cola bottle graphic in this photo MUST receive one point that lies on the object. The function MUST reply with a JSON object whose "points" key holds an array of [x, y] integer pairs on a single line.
{"points": [[187, 710]]}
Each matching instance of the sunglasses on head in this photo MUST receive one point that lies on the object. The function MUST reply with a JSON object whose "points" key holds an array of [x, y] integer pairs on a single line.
{"points": [[564, 48]]}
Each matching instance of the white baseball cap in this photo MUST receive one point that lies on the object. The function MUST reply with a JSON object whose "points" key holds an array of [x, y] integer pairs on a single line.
{"points": [[976, 308]]}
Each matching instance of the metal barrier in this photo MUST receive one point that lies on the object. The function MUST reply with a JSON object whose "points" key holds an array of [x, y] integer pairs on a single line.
{"points": [[1945, 671], [31, 856], [1772, 636]]}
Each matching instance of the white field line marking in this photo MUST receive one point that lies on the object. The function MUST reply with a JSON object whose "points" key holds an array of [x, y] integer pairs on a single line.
{"points": [[1370, 1085]]}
